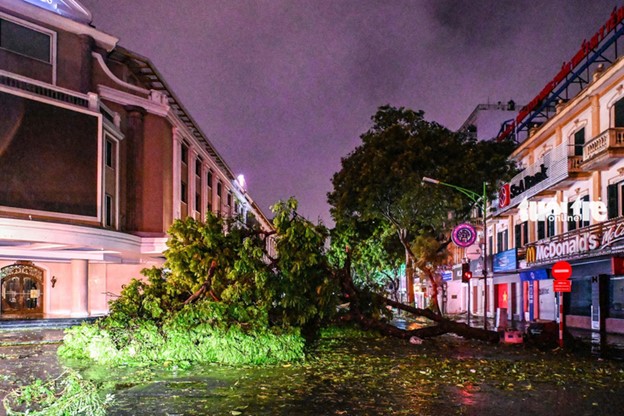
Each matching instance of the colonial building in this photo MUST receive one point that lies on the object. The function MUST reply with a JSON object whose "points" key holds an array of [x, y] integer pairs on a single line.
{"points": [[97, 158], [567, 202]]}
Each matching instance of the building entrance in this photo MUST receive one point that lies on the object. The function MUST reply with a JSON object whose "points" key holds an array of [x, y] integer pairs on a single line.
{"points": [[22, 290]]}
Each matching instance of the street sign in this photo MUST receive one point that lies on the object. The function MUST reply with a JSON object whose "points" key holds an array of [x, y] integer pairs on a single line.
{"points": [[464, 235], [562, 285], [561, 270], [473, 252]]}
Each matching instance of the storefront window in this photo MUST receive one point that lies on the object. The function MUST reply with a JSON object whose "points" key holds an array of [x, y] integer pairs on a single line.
{"points": [[616, 297], [580, 297]]}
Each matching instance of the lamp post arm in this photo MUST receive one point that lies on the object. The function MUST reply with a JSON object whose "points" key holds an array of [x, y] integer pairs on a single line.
{"points": [[475, 197]]}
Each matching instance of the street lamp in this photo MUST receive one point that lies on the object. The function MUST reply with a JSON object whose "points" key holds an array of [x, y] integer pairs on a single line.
{"points": [[476, 198]]}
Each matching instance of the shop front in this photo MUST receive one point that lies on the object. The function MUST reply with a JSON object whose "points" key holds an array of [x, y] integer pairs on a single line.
{"points": [[507, 294], [596, 254]]}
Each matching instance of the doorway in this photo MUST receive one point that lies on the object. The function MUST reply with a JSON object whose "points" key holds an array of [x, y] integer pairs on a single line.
{"points": [[22, 290]]}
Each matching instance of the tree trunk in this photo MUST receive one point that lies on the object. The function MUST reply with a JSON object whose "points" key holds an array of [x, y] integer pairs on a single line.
{"points": [[409, 278], [443, 325]]}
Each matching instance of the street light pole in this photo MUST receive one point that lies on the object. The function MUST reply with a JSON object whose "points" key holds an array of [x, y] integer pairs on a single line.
{"points": [[476, 198], [485, 258]]}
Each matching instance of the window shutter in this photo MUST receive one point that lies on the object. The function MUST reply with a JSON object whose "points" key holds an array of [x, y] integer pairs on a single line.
{"points": [[612, 201], [541, 230], [619, 114], [579, 141]]}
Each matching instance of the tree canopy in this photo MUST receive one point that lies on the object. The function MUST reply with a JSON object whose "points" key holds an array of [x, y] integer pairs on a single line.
{"points": [[380, 183]]}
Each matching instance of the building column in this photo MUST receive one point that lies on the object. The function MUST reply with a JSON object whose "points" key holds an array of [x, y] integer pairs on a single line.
{"points": [[177, 165], [136, 161], [80, 288], [192, 183]]}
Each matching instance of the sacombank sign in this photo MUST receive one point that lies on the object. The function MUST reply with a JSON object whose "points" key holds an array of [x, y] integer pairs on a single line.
{"points": [[71, 9]]}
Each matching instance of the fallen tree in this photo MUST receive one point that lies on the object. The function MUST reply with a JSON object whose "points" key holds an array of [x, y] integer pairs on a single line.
{"points": [[442, 325]]}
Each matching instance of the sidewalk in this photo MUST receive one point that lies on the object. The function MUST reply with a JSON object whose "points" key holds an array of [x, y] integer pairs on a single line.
{"points": [[30, 336], [15, 332]]}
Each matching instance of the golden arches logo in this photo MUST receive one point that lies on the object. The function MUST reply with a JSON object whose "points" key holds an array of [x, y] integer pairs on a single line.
{"points": [[531, 254]]}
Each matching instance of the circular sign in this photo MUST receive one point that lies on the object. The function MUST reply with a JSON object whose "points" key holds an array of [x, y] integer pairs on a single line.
{"points": [[473, 252], [504, 196], [464, 235], [561, 270]]}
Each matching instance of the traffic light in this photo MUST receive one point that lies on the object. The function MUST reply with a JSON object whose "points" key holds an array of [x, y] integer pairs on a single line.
{"points": [[466, 273]]}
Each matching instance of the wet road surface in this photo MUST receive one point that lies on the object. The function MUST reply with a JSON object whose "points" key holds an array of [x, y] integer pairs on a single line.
{"points": [[361, 376]]}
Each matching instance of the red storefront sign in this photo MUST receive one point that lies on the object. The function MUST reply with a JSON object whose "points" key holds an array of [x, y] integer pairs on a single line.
{"points": [[562, 286]]}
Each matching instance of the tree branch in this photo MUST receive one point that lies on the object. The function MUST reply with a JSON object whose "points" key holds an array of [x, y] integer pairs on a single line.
{"points": [[204, 287]]}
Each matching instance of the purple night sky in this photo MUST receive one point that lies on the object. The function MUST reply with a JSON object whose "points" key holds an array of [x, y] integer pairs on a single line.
{"points": [[284, 89]]}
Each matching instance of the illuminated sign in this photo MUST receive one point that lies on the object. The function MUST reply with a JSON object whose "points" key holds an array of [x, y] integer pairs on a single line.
{"points": [[504, 197], [539, 274], [576, 244], [603, 237], [71, 9], [528, 182], [587, 47], [464, 235], [505, 261]]}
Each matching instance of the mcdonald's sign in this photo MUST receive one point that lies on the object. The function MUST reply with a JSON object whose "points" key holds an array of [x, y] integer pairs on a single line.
{"points": [[531, 254]]}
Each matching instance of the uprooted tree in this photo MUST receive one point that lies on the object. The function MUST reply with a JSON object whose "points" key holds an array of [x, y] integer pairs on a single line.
{"points": [[223, 296], [379, 191]]}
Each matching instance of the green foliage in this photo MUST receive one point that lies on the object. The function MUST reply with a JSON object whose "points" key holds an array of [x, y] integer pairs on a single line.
{"points": [[253, 306], [379, 191], [346, 331], [145, 299], [381, 179], [241, 274], [208, 332], [69, 394], [376, 258], [305, 288]]}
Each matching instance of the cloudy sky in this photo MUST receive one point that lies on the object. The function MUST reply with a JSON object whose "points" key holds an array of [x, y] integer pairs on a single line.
{"points": [[284, 88]]}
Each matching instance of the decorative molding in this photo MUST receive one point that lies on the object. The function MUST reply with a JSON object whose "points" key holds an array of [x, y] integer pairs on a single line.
{"points": [[110, 244], [114, 78], [125, 98]]}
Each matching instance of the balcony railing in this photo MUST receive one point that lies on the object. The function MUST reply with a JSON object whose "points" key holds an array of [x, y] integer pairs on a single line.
{"points": [[574, 164], [601, 145]]}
